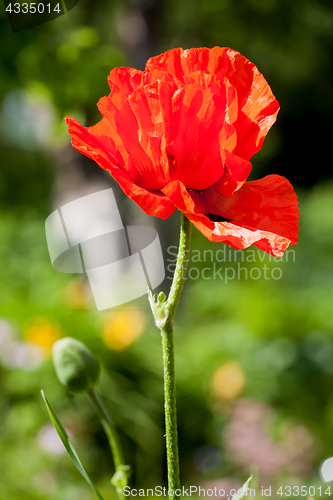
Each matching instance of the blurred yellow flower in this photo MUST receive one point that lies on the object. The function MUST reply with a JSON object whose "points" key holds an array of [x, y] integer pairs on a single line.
{"points": [[77, 294], [122, 328], [228, 380], [43, 333]]}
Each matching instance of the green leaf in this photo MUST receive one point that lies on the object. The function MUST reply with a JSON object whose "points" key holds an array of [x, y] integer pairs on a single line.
{"points": [[69, 446], [242, 492]]}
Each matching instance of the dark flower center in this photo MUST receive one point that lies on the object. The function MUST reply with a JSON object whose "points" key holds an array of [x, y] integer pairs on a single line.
{"points": [[217, 218]]}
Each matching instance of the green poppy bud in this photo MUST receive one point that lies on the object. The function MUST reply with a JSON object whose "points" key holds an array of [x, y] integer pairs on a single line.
{"points": [[75, 365]]}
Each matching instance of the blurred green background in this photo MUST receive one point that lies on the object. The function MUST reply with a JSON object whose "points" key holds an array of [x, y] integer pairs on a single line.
{"points": [[254, 357]]}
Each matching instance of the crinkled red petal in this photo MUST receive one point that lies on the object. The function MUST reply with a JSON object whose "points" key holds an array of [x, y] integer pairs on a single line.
{"points": [[236, 172], [166, 132], [123, 81], [93, 143], [269, 204], [257, 105], [263, 213]]}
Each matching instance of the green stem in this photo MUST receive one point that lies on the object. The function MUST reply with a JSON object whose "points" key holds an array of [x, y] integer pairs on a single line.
{"points": [[181, 265], [119, 480], [164, 313], [170, 411]]}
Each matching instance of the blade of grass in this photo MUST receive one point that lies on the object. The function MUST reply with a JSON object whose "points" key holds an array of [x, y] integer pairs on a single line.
{"points": [[242, 492], [69, 446]]}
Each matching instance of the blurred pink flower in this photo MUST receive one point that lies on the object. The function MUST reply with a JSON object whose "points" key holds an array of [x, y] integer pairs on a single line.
{"points": [[250, 446]]}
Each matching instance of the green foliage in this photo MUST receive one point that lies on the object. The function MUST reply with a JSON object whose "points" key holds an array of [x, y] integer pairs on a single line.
{"points": [[69, 446], [279, 332]]}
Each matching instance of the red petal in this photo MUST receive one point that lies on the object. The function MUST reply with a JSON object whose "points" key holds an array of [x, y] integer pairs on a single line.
{"points": [[123, 82], [181, 62], [192, 137], [263, 213], [164, 131], [93, 143], [223, 88], [269, 204], [257, 104], [236, 172], [126, 132]]}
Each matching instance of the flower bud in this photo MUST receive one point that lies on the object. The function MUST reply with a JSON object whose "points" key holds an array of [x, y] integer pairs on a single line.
{"points": [[75, 365]]}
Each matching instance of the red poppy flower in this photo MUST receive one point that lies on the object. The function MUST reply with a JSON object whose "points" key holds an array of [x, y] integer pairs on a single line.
{"points": [[180, 135]]}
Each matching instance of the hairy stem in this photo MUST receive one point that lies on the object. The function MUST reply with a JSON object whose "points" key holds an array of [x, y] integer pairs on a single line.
{"points": [[164, 313]]}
